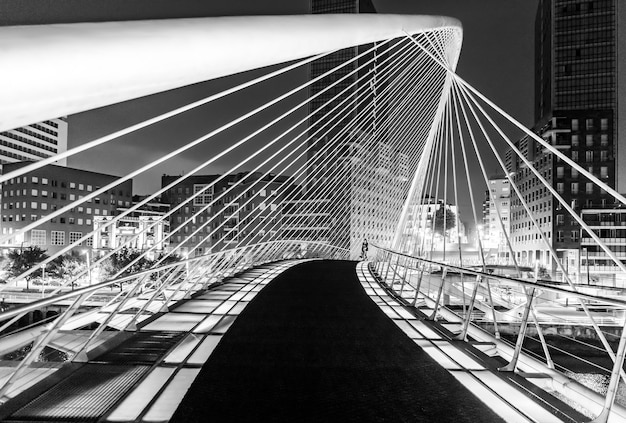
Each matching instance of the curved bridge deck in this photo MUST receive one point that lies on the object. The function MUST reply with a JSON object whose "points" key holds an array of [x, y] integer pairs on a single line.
{"points": [[313, 346], [320, 342]]}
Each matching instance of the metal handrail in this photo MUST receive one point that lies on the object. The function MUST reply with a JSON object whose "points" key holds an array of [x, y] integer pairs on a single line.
{"points": [[501, 278]]}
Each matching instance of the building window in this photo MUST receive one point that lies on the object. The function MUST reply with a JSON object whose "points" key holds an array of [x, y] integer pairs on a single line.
{"points": [[604, 172], [34, 180], [575, 141], [44, 181], [574, 124], [589, 140], [205, 198], [33, 205], [81, 187], [604, 140], [559, 172], [574, 173], [589, 156], [574, 187], [604, 155], [72, 185], [589, 188], [34, 193], [89, 188], [38, 237], [559, 236], [575, 236], [604, 124], [560, 188], [75, 236], [57, 238], [589, 123], [560, 219], [575, 156]]}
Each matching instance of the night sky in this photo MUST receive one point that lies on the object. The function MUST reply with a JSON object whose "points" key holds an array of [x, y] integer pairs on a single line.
{"points": [[497, 58]]}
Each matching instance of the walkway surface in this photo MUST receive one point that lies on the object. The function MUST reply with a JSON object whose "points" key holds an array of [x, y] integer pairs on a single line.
{"points": [[313, 346], [296, 341]]}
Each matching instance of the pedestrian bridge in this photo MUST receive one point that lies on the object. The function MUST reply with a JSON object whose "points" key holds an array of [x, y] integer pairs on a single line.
{"points": [[296, 340], [375, 143]]}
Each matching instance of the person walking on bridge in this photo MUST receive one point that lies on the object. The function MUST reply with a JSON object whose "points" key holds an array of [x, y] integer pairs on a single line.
{"points": [[364, 248]]}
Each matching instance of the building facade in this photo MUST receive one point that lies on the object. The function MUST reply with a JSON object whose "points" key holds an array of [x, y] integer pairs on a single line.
{"points": [[218, 219], [595, 265], [143, 229], [499, 222], [580, 68], [31, 197], [34, 142]]}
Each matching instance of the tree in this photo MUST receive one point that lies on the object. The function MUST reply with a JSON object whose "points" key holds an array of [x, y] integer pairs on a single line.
{"points": [[450, 219], [24, 259], [67, 266]]}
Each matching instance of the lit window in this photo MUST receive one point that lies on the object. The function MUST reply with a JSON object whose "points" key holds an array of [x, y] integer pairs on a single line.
{"points": [[604, 124], [57, 238], [75, 236], [38, 237], [604, 172]]}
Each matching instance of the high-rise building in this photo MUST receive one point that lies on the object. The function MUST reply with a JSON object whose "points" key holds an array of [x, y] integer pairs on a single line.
{"points": [[34, 142], [499, 210], [580, 108]]}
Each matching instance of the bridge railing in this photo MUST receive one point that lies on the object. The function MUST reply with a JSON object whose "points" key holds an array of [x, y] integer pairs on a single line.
{"points": [[569, 332], [139, 296]]}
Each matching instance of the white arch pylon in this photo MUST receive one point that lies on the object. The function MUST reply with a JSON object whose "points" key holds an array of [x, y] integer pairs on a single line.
{"points": [[55, 70]]}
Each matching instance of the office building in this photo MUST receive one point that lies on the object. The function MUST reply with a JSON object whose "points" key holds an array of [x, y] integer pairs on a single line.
{"points": [[235, 210], [31, 197], [34, 142], [580, 89]]}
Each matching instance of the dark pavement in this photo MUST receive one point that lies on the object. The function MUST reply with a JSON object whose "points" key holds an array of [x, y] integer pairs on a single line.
{"points": [[313, 347]]}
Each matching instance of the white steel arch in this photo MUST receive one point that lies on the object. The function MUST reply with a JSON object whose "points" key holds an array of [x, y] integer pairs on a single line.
{"points": [[71, 68]]}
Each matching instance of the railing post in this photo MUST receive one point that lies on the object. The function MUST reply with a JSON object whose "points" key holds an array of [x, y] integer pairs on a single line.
{"points": [[40, 343], [544, 344], [493, 312], [463, 335], [406, 269], [611, 392], [419, 284], [439, 293], [387, 269], [522, 333], [394, 273]]}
